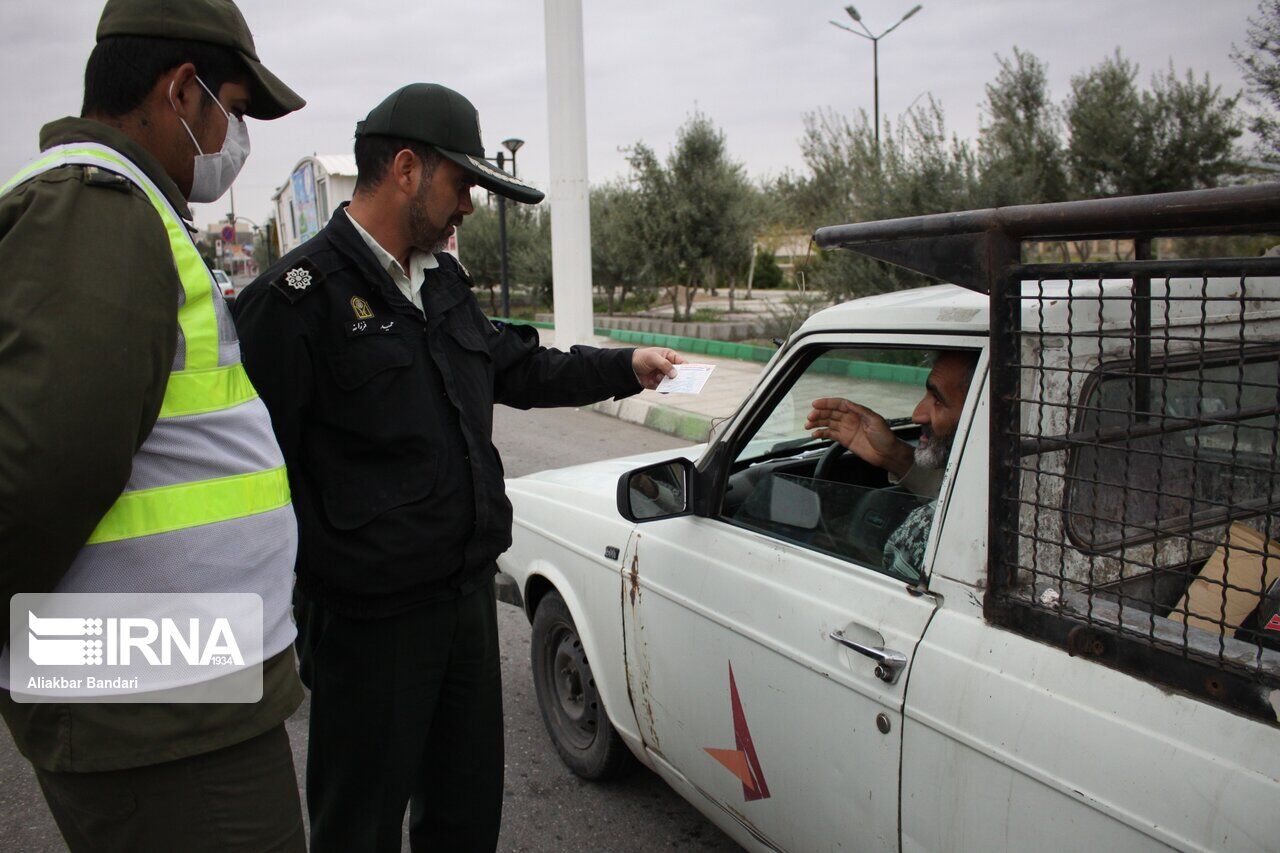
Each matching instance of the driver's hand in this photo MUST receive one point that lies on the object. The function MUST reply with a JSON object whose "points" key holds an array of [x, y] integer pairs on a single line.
{"points": [[862, 431]]}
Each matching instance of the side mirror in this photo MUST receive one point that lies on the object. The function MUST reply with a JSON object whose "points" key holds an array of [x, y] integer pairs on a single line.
{"points": [[656, 491]]}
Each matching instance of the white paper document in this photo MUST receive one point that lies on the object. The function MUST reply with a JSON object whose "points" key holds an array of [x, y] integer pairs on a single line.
{"points": [[689, 379]]}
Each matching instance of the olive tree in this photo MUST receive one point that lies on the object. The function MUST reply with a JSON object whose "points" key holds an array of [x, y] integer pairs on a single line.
{"points": [[1179, 134], [694, 211], [528, 249], [621, 262], [1020, 144], [1259, 60]]}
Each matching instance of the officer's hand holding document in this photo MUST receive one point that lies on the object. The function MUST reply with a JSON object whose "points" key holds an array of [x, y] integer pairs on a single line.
{"points": [[689, 379]]}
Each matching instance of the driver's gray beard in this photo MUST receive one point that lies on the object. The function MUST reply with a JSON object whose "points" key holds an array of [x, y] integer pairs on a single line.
{"points": [[934, 455]]}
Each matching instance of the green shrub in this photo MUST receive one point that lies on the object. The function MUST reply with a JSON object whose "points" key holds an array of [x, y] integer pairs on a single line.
{"points": [[768, 275]]}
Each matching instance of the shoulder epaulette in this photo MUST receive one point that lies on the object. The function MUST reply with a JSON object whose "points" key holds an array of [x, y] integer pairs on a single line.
{"points": [[298, 279], [466, 273], [462, 270], [96, 177]]}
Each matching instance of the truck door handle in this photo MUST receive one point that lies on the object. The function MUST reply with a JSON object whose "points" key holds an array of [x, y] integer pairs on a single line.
{"points": [[889, 664]]}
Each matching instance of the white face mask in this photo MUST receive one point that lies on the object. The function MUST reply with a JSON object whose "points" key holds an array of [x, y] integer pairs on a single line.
{"points": [[214, 173]]}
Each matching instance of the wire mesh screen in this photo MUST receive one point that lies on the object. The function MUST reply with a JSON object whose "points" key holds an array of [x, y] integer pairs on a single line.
{"points": [[1138, 471]]}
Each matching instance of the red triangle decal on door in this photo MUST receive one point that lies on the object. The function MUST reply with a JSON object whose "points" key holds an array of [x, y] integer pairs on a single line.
{"points": [[735, 761], [743, 761]]}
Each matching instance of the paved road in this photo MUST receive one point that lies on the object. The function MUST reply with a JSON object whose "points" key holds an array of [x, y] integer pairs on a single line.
{"points": [[547, 808]]}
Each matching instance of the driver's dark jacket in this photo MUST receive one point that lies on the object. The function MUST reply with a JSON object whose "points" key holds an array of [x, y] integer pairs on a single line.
{"points": [[385, 418]]}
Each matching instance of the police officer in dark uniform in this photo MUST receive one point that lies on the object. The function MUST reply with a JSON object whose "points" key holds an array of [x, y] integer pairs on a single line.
{"points": [[380, 372]]}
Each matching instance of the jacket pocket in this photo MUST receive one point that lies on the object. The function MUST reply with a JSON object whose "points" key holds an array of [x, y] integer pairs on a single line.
{"points": [[467, 336], [355, 503], [362, 358]]}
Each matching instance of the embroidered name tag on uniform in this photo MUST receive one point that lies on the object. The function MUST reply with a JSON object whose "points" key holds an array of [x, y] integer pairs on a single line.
{"points": [[372, 327]]}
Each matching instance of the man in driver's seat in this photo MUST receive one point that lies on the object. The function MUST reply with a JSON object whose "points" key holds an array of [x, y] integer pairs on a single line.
{"points": [[917, 469]]}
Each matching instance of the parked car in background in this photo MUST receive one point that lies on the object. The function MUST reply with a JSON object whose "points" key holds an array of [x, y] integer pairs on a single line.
{"points": [[1089, 657], [224, 284]]}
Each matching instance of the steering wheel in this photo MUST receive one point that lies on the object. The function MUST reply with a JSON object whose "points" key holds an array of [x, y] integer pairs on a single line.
{"points": [[827, 463], [875, 515], [860, 473]]}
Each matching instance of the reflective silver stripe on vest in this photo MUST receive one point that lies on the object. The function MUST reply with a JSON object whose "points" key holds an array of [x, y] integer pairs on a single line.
{"points": [[254, 553]]}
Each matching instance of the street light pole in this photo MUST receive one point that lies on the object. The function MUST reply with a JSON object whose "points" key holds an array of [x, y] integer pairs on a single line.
{"points": [[512, 145], [875, 54], [875, 88], [502, 241]]}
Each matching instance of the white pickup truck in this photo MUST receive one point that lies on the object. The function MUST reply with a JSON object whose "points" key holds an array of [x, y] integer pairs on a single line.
{"points": [[1085, 658]]}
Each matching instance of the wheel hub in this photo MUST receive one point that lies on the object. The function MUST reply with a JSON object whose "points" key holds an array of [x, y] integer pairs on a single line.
{"points": [[577, 704], [568, 679]]}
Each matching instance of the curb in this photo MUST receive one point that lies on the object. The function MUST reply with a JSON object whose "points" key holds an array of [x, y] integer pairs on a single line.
{"points": [[902, 373], [684, 343], [710, 329], [698, 346], [667, 419]]}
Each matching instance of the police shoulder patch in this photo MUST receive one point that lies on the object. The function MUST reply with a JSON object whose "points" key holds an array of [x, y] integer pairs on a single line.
{"points": [[446, 259], [298, 279], [98, 177]]}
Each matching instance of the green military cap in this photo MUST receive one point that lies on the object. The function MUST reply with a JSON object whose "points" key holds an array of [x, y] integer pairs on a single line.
{"points": [[212, 21], [445, 120]]}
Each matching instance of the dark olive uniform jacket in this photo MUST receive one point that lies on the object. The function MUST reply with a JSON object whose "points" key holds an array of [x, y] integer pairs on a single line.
{"points": [[88, 333], [385, 417]]}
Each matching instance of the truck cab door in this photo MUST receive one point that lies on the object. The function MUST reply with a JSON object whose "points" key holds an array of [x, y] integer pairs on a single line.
{"points": [[768, 644]]}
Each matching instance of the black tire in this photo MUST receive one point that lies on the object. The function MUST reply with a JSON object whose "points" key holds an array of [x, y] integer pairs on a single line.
{"points": [[571, 707]]}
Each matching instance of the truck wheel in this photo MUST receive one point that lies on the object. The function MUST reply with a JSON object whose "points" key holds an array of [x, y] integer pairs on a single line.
{"points": [[567, 697]]}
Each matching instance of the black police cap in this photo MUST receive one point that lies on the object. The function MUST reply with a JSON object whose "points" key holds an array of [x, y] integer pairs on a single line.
{"points": [[448, 122]]}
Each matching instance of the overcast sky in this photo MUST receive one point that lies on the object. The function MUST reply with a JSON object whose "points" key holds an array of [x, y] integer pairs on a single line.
{"points": [[754, 66]]}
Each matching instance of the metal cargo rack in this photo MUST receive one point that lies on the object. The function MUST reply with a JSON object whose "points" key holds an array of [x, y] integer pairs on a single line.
{"points": [[1135, 413]]}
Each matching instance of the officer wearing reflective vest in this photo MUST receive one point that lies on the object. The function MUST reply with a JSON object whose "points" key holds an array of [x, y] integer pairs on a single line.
{"points": [[381, 373], [135, 455]]}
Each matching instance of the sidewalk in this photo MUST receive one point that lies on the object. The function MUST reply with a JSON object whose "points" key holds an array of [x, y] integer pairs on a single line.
{"points": [[688, 416]]}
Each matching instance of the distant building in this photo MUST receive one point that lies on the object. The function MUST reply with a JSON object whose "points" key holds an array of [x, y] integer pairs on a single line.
{"points": [[314, 190], [234, 256], [318, 186], [789, 248]]}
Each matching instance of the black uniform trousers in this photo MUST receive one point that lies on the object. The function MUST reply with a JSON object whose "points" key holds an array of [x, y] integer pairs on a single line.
{"points": [[405, 710]]}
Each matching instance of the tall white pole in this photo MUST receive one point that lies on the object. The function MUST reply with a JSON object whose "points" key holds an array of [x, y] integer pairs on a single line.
{"points": [[569, 194]]}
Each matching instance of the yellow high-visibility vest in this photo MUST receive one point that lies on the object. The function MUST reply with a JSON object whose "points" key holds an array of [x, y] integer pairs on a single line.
{"points": [[200, 387], [207, 505]]}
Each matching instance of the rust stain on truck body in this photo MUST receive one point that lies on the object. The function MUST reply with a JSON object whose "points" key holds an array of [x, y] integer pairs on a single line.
{"points": [[633, 578], [637, 671]]}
